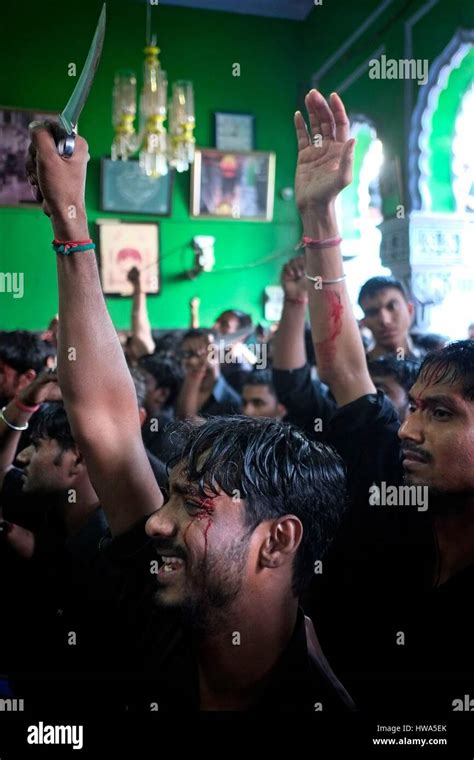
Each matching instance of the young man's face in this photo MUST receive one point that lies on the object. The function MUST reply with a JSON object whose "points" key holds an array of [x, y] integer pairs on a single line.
{"points": [[437, 439], [259, 401], [196, 353], [227, 323], [155, 397], [388, 316], [9, 381], [210, 554], [394, 391], [48, 468]]}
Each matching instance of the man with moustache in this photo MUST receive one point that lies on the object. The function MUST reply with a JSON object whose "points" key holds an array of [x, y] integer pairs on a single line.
{"points": [[252, 506], [393, 603]]}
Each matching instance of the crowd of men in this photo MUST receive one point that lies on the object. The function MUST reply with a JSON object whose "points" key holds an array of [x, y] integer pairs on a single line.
{"points": [[216, 519]]}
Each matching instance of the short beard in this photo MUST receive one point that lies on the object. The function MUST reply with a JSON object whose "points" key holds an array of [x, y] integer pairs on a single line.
{"points": [[443, 503], [206, 612]]}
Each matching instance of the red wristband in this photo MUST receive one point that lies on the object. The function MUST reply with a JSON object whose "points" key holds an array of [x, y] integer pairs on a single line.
{"points": [[24, 408], [309, 242], [301, 300], [71, 243]]}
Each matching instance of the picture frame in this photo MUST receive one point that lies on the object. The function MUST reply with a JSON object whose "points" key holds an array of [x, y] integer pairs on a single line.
{"points": [[125, 189], [122, 246], [234, 131], [15, 190], [237, 185]]}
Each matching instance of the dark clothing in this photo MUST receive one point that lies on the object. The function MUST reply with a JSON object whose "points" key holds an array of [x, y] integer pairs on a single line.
{"points": [[59, 609], [223, 400], [307, 401], [395, 641], [164, 654], [156, 437]]}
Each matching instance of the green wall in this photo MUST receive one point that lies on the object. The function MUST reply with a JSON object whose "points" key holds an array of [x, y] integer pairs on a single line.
{"points": [[199, 45], [277, 60]]}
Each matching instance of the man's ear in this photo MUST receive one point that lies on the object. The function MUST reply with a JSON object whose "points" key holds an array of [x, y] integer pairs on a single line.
{"points": [[282, 411], [411, 308], [77, 462], [281, 542], [26, 378]]}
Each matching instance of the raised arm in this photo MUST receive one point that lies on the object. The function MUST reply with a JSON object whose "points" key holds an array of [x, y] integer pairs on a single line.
{"points": [[324, 168], [97, 388], [142, 342], [288, 343]]}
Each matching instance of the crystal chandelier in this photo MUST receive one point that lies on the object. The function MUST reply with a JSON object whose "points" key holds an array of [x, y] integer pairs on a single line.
{"points": [[158, 147]]}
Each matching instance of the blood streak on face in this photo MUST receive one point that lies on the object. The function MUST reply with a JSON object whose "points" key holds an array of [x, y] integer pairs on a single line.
{"points": [[207, 509], [336, 309]]}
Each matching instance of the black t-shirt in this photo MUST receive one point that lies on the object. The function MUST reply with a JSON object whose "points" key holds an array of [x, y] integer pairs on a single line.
{"points": [[308, 402], [393, 639]]}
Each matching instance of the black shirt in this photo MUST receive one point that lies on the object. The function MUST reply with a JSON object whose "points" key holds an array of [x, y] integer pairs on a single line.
{"points": [[308, 402], [394, 639]]}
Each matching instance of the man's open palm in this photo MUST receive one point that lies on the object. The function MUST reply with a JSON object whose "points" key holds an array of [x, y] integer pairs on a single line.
{"points": [[324, 167]]}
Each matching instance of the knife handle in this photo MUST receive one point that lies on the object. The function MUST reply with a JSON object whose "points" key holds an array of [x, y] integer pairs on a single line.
{"points": [[66, 145]]}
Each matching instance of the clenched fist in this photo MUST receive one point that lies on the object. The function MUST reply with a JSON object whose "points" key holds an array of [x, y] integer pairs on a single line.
{"points": [[58, 182]]}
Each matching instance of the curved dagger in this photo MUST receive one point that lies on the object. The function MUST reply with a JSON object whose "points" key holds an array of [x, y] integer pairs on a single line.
{"points": [[69, 117]]}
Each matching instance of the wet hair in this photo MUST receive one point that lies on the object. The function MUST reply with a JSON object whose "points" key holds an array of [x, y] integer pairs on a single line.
{"points": [[23, 350], [403, 371], [260, 377], [277, 470], [166, 372], [51, 422], [373, 286], [452, 365]]}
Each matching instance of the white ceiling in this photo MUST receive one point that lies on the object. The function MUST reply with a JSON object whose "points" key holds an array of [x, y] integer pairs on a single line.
{"points": [[296, 10]]}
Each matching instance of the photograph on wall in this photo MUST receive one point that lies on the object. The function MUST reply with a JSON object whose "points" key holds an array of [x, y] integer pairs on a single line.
{"points": [[237, 185], [14, 140], [234, 131], [123, 246], [126, 189]]}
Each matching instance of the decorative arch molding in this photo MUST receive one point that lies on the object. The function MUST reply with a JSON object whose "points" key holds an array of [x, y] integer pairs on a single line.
{"points": [[455, 54]]}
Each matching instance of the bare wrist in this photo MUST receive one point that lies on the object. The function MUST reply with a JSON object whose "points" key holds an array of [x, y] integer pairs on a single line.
{"points": [[66, 228], [320, 222]]}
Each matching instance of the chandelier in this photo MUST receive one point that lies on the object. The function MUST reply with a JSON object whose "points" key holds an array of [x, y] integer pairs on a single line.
{"points": [[159, 148]]}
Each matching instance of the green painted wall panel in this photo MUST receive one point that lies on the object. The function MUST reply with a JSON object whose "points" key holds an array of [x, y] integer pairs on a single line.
{"points": [[198, 45]]}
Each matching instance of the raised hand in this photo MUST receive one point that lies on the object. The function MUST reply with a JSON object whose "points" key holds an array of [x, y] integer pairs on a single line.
{"points": [[324, 166], [43, 388], [293, 278], [134, 276], [59, 182]]}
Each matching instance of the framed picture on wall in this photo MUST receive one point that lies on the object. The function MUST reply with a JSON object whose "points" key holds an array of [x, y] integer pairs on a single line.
{"points": [[234, 131], [233, 185], [123, 246], [15, 189], [125, 189]]}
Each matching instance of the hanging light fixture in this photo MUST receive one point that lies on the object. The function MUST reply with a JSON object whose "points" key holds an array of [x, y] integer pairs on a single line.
{"points": [[158, 149]]}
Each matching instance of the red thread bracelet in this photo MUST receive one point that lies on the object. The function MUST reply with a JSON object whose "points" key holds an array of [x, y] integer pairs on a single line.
{"points": [[309, 242], [24, 408], [300, 300]]}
